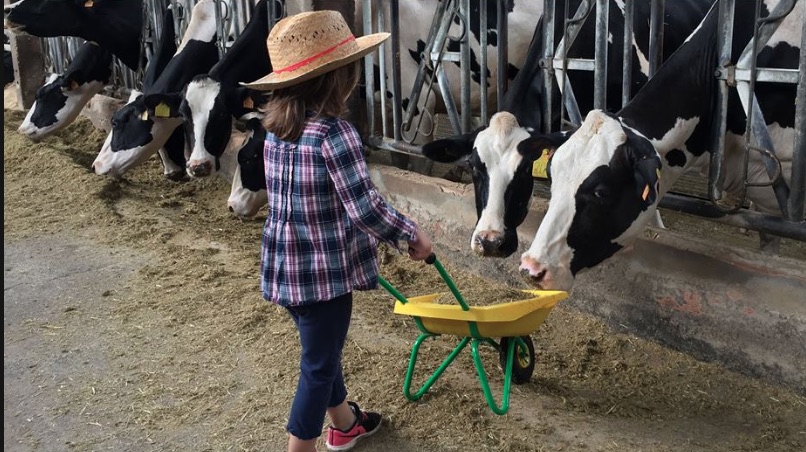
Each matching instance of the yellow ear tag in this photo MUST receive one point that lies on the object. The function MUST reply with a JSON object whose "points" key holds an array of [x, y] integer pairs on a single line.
{"points": [[162, 110], [88, 4], [657, 172], [539, 167], [144, 116], [646, 192], [248, 103]]}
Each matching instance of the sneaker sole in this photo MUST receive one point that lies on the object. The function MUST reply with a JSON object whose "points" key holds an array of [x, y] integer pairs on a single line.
{"points": [[353, 442]]}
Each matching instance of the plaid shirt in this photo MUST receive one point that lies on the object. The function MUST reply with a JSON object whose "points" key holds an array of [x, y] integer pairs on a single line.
{"points": [[324, 216]]}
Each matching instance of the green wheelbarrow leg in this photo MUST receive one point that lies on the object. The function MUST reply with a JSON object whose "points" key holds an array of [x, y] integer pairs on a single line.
{"points": [[435, 376], [485, 385]]}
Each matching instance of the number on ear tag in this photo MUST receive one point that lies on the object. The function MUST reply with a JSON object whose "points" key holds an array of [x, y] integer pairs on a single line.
{"points": [[539, 167], [162, 110]]}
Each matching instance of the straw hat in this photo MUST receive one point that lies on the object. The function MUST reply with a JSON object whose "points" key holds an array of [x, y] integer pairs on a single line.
{"points": [[306, 45]]}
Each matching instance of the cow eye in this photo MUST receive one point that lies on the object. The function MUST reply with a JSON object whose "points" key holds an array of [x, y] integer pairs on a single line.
{"points": [[601, 192]]}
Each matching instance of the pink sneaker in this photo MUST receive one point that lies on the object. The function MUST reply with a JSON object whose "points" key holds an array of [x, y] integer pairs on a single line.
{"points": [[366, 424]]}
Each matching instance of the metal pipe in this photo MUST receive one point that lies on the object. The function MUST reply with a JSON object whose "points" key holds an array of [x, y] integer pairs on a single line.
{"points": [[369, 79], [450, 105], [382, 70], [548, 64], [600, 74], [503, 50], [626, 71], [656, 14], [464, 80], [483, 63], [798, 182], [724, 43], [795, 230], [394, 17]]}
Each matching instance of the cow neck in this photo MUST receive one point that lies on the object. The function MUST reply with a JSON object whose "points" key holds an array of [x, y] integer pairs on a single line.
{"points": [[247, 59], [676, 109]]}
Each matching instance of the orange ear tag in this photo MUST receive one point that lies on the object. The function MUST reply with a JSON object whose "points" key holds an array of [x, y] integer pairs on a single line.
{"points": [[162, 110], [88, 4], [540, 166], [646, 192], [73, 85], [248, 103]]}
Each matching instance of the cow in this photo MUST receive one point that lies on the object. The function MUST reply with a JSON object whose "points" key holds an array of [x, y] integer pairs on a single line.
{"points": [[243, 163], [502, 177], [608, 178], [60, 100], [113, 24], [211, 101], [142, 127]]}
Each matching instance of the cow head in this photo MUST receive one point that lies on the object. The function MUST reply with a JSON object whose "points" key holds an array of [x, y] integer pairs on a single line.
{"points": [[208, 108], [248, 192], [60, 100], [138, 131], [502, 177], [604, 189], [58, 103]]}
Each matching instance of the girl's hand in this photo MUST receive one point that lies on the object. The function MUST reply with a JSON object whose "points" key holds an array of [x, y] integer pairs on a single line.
{"points": [[420, 248]]}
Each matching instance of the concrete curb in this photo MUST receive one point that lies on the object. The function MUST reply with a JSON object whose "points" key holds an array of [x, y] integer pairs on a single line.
{"points": [[744, 310]]}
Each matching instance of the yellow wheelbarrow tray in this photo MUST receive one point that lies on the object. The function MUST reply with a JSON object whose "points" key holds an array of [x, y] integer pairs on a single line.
{"points": [[513, 322]]}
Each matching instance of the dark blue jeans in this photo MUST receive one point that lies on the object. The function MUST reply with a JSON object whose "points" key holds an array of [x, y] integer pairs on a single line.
{"points": [[322, 331]]}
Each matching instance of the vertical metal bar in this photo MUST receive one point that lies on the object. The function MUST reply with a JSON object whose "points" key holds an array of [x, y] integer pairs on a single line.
{"points": [[464, 47], [503, 50], [724, 43], [483, 27], [798, 182], [369, 79], [656, 35], [219, 24], [383, 74], [548, 63], [600, 52], [397, 113], [626, 71]]}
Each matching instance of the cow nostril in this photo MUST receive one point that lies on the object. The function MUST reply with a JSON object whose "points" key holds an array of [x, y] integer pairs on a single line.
{"points": [[231, 209]]}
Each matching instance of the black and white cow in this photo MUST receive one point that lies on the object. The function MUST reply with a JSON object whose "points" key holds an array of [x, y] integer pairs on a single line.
{"points": [[502, 176], [608, 178], [60, 100], [209, 102], [140, 128], [242, 162], [114, 25]]}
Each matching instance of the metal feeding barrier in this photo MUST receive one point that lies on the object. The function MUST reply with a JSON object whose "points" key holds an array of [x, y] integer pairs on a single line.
{"points": [[431, 81]]}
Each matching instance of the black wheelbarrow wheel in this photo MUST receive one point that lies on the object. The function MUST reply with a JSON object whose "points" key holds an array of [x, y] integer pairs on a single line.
{"points": [[523, 363]]}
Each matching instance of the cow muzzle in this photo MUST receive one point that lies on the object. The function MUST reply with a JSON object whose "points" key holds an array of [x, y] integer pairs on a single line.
{"points": [[545, 277], [196, 168], [31, 131], [494, 243]]}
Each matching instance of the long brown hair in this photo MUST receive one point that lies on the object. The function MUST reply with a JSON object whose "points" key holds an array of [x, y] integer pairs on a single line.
{"points": [[325, 95]]}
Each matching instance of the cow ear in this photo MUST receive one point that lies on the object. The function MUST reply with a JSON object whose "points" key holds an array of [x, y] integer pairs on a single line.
{"points": [[647, 179], [163, 105], [73, 80], [539, 144], [244, 100], [451, 149]]}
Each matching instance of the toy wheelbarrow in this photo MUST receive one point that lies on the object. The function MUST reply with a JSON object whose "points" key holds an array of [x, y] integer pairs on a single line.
{"points": [[513, 322]]}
